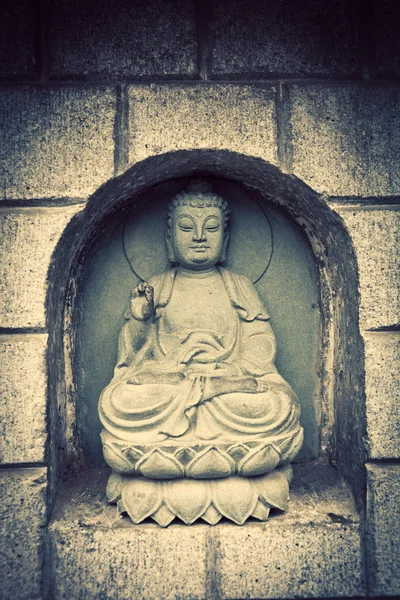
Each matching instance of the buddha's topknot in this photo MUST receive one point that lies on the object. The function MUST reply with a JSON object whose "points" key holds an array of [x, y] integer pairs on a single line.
{"points": [[199, 194]]}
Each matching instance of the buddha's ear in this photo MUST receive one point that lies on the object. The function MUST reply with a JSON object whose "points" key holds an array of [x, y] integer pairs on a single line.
{"points": [[222, 257], [170, 249]]}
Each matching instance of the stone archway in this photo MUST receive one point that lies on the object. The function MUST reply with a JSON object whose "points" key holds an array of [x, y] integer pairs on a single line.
{"points": [[341, 366]]}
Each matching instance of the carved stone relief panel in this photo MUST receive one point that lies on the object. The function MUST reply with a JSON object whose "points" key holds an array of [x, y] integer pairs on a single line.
{"points": [[198, 421]]}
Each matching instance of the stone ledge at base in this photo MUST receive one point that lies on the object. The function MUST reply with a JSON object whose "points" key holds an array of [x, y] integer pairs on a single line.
{"points": [[312, 550]]}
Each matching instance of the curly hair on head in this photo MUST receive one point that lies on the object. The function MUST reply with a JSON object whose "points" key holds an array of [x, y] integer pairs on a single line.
{"points": [[199, 194]]}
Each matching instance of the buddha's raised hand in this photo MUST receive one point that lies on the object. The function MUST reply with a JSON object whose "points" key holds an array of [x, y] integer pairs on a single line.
{"points": [[142, 301]]}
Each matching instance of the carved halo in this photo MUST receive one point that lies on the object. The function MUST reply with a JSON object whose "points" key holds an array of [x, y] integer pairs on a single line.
{"points": [[250, 238]]}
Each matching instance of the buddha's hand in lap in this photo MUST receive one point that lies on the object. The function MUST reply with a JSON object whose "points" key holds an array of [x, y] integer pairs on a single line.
{"points": [[142, 301]]}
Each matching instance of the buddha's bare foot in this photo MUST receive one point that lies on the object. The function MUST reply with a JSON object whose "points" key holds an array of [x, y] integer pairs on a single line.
{"points": [[146, 377], [215, 386], [262, 386]]}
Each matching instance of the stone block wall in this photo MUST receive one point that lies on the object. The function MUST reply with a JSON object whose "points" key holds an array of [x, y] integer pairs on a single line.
{"points": [[89, 88]]}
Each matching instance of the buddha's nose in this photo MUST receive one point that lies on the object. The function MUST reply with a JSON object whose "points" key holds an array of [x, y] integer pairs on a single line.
{"points": [[199, 236]]}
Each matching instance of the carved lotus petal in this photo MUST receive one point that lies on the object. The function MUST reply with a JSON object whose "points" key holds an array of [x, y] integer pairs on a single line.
{"points": [[188, 499], [259, 461], [238, 451], [274, 489], [163, 516], [210, 464], [261, 512], [235, 498], [141, 498], [212, 516], [158, 465], [133, 454], [116, 460], [185, 455], [114, 487], [287, 471]]}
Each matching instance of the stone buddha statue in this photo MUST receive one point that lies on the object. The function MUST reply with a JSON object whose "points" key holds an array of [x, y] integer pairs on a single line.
{"points": [[197, 421]]}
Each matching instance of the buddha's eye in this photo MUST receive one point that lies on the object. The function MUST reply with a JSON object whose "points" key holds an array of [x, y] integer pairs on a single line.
{"points": [[213, 228], [213, 225], [185, 225]]}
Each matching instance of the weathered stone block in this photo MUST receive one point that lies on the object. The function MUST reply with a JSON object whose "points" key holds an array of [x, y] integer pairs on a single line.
{"points": [[129, 562], [233, 117], [312, 550], [277, 561], [22, 518], [27, 240], [382, 354], [23, 390], [346, 139], [17, 39], [386, 41], [146, 37], [383, 533], [56, 141], [276, 37], [375, 235]]}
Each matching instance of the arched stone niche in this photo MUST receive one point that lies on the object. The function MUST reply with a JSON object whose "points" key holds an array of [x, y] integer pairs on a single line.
{"points": [[332, 389]]}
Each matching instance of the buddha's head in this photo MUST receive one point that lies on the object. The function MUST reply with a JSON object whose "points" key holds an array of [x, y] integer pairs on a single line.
{"points": [[197, 234]]}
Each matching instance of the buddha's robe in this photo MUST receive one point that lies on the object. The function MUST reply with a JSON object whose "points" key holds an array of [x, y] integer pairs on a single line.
{"points": [[202, 329]]}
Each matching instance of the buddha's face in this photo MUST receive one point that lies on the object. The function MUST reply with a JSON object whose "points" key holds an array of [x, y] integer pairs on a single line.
{"points": [[197, 236]]}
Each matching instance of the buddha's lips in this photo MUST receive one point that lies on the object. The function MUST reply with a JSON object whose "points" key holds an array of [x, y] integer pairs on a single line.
{"points": [[199, 247]]}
